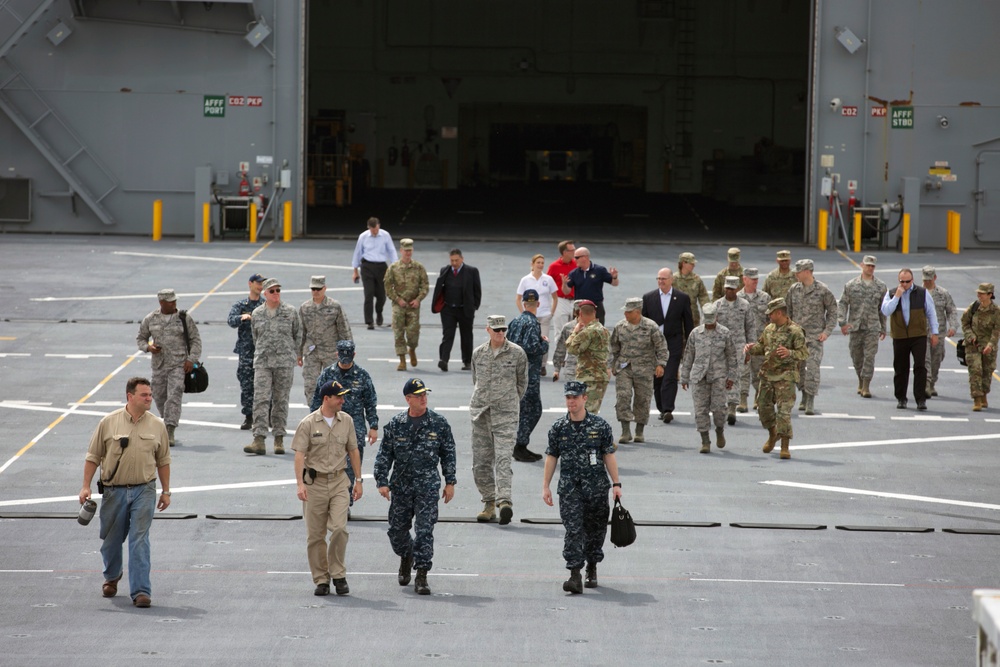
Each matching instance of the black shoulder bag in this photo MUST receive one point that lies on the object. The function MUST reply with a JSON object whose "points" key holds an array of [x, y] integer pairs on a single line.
{"points": [[196, 381], [960, 346]]}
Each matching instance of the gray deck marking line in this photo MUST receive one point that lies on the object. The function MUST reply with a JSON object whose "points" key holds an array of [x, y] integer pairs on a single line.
{"points": [[785, 581], [883, 494], [929, 418], [122, 297], [900, 441], [132, 357], [239, 261], [384, 574]]}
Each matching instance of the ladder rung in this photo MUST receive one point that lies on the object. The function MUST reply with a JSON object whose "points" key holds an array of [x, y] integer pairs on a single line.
{"points": [[38, 120], [73, 156]]}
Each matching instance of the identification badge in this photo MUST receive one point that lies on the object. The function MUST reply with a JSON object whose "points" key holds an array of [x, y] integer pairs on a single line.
{"points": [[593, 458]]}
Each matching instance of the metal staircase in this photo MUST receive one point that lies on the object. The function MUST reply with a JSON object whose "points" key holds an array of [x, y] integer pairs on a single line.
{"points": [[684, 91], [87, 177]]}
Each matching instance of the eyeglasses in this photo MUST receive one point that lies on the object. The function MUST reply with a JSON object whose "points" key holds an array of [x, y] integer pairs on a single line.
{"points": [[314, 289], [498, 330], [904, 282], [274, 290]]}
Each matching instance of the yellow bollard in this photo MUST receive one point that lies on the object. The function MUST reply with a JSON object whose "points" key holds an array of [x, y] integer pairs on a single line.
{"points": [[157, 219], [906, 233], [288, 221], [821, 232], [253, 223], [206, 222], [954, 232], [857, 232]]}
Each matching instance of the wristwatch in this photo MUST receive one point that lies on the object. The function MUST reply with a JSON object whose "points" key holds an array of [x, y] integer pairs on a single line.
{"points": [[164, 493], [618, 484]]}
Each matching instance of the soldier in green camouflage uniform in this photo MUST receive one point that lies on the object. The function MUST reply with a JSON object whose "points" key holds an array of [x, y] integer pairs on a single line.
{"points": [[781, 279], [732, 269], [709, 358], [948, 320], [591, 344], [736, 315], [406, 286], [638, 354], [323, 325], [758, 301], [981, 327], [689, 282], [783, 346], [860, 316], [813, 307]]}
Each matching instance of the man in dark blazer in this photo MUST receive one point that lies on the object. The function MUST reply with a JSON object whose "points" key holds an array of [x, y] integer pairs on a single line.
{"points": [[457, 294], [671, 309]]}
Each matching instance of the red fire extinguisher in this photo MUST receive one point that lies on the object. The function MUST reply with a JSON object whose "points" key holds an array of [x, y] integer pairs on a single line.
{"points": [[244, 185], [852, 202]]}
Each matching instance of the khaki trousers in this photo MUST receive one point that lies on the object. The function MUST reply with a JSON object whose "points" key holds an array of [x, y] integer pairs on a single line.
{"points": [[325, 510]]}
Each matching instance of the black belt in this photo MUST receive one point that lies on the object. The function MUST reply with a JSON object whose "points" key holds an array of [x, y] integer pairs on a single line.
{"points": [[126, 486], [365, 261]]}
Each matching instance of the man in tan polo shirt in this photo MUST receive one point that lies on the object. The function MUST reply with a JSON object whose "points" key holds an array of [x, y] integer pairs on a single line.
{"points": [[322, 440], [131, 447]]}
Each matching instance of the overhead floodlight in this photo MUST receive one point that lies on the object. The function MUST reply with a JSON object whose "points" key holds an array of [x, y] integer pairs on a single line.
{"points": [[59, 33], [258, 33]]}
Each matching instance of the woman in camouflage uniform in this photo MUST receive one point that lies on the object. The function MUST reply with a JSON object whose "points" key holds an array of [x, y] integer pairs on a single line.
{"points": [[981, 327]]}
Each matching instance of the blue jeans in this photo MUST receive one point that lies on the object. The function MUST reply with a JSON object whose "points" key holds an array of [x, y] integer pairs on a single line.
{"points": [[128, 513]]}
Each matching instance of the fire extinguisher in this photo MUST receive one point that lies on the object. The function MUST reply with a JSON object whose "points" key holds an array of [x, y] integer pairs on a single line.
{"points": [[244, 185], [852, 202]]}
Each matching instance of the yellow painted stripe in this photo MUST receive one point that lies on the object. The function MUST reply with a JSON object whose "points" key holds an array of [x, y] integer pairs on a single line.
{"points": [[8, 337]]}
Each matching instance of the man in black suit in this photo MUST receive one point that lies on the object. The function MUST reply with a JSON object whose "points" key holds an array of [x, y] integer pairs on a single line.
{"points": [[671, 309], [458, 293]]}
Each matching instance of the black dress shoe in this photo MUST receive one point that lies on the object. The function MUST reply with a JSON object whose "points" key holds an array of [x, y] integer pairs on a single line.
{"points": [[443, 365], [322, 589], [522, 454], [901, 404], [378, 319], [667, 417], [921, 405], [247, 423], [341, 586], [466, 367], [371, 327]]}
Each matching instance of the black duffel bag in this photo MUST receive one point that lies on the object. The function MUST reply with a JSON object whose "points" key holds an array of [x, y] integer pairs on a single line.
{"points": [[196, 381], [622, 526]]}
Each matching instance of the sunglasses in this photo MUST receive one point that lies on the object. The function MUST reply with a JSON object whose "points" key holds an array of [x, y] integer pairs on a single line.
{"points": [[498, 329], [274, 290], [904, 282], [316, 289]]}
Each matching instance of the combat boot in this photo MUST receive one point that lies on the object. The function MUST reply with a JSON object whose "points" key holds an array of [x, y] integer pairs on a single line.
{"points": [[170, 435], [706, 444], [639, 437], [506, 513], [405, 566], [591, 575], [247, 423], [810, 408], [802, 403], [574, 584], [402, 363], [420, 583], [742, 407], [279, 444], [413, 357], [257, 446], [866, 389], [731, 415], [977, 404], [626, 433], [524, 455], [860, 385], [488, 514], [720, 438], [982, 401], [772, 437], [785, 454]]}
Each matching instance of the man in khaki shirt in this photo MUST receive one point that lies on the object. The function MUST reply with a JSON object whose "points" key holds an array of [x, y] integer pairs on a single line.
{"points": [[321, 442], [131, 447]]}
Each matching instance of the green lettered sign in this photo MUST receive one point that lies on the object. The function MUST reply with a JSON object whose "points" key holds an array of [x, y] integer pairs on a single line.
{"points": [[215, 106], [902, 118]]}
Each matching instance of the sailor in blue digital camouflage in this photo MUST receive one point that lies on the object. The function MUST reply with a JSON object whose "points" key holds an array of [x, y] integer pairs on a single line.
{"points": [[414, 444], [525, 331], [736, 315], [161, 333], [709, 365], [239, 319], [499, 379], [758, 301], [277, 339], [562, 360], [324, 324], [860, 316], [584, 447], [948, 320], [360, 403], [981, 332], [591, 343], [638, 354], [812, 306], [406, 285], [783, 347]]}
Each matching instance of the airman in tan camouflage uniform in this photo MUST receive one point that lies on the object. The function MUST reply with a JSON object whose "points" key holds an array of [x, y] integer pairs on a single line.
{"points": [[710, 361], [948, 321], [860, 316], [736, 315], [813, 307], [323, 324], [638, 354], [758, 301]]}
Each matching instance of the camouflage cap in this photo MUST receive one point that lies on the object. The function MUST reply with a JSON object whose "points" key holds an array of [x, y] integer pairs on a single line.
{"points": [[776, 304], [929, 272], [333, 388], [733, 254], [783, 254], [406, 244], [733, 282], [414, 386], [803, 265], [496, 322], [166, 295], [345, 349], [870, 260], [751, 272], [985, 288], [633, 303], [709, 313], [574, 388], [688, 257], [317, 282], [269, 283]]}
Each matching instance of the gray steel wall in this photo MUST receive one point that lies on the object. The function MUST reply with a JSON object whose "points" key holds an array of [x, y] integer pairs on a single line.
{"points": [[133, 94]]}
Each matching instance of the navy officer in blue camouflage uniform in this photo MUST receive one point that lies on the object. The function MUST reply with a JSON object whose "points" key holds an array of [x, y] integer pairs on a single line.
{"points": [[239, 318], [584, 444], [360, 403], [414, 443], [526, 332]]}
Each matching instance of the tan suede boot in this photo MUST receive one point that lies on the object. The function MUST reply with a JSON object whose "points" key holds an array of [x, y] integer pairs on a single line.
{"points": [[639, 436], [772, 436], [413, 357], [402, 363], [488, 514], [866, 389], [626, 433], [706, 443], [279, 444], [257, 446], [785, 454]]}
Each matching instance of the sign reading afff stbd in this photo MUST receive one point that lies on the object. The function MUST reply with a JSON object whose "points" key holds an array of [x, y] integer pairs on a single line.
{"points": [[902, 118]]}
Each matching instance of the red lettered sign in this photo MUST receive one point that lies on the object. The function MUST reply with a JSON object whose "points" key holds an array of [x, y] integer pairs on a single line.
{"points": [[849, 111], [237, 101], [255, 101], [878, 112]]}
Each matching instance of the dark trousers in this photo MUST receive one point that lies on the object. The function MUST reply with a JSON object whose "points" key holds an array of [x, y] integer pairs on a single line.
{"points": [[665, 388], [373, 280], [902, 348], [452, 317], [600, 312]]}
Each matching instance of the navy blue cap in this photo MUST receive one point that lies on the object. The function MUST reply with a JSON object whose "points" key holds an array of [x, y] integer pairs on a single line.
{"points": [[257, 278], [414, 386], [529, 295], [332, 388]]}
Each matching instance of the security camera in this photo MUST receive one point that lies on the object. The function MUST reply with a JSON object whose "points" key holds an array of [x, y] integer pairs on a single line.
{"points": [[943, 122], [835, 104]]}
